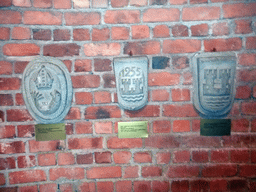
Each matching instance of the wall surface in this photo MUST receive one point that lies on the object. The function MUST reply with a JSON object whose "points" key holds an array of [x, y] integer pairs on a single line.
{"points": [[86, 35]]}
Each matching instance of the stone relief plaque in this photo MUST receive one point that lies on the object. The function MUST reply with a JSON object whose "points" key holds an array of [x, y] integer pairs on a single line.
{"points": [[131, 82], [214, 80], [47, 89]]}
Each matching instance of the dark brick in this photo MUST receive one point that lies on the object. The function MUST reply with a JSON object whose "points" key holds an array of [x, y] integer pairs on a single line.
{"points": [[160, 62], [84, 159], [42, 34], [60, 50]]}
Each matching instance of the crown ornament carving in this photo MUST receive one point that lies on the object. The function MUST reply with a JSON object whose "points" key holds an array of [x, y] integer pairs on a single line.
{"points": [[44, 79]]}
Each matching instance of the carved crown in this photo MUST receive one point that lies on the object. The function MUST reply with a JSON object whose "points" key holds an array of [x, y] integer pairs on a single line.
{"points": [[44, 79]]}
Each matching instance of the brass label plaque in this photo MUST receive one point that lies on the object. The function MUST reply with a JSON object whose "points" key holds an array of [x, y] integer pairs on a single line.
{"points": [[138, 129], [48, 132], [215, 127]]}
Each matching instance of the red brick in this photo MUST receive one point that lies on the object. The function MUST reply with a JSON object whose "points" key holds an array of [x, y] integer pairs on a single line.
{"points": [[10, 17], [26, 130], [181, 126], [102, 49], [252, 186], [144, 186], [122, 157], [85, 143], [42, 3], [220, 29], [60, 50], [142, 48], [62, 4], [236, 141], [7, 163], [103, 157], [47, 159], [102, 97], [28, 188], [104, 172], [180, 30], [86, 81], [26, 161], [163, 79], [124, 186], [50, 187], [100, 3], [43, 146], [140, 32], [253, 125], [69, 129], [24, 3], [187, 78], [180, 62], [161, 126], [240, 125], [243, 92], [84, 158], [61, 35], [200, 156], [42, 18], [105, 186], [100, 34], [4, 33], [102, 112], [122, 16], [83, 65], [74, 113], [102, 65], [5, 68], [198, 1], [147, 111], [26, 49], [196, 125], [161, 142], [42, 34], [66, 187], [82, 18], [119, 3], [180, 95], [183, 171], [219, 170], [218, 185], [83, 128], [160, 95], [21, 33], [161, 31], [120, 33], [131, 172], [247, 59], [138, 3], [247, 75], [254, 91], [116, 143], [66, 159], [248, 108], [6, 99], [83, 98], [181, 46], [87, 187], [6, 3], [162, 186], [199, 185], [247, 170], [238, 185], [68, 173], [157, 2], [178, 186], [161, 15], [206, 13], [27, 176], [181, 156], [18, 115], [151, 171], [178, 2], [2, 116], [81, 34], [213, 45], [240, 156], [253, 156], [202, 142], [186, 110], [163, 158], [219, 156], [81, 4], [251, 42], [243, 26], [239, 10], [199, 30]]}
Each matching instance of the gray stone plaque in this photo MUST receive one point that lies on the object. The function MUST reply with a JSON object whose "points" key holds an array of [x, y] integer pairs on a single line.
{"points": [[47, 89], [214, 79], [131, 82]]}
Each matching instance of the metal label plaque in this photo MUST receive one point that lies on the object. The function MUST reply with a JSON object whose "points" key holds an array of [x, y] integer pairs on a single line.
{"points": [[214, 76], [47, 89], [131, 82], [215, 127], [138, 129], [50, 132]]}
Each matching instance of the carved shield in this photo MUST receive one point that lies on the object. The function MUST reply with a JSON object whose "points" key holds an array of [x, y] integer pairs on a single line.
{"points": [[131, 82], [214, 80], [47, 89]]}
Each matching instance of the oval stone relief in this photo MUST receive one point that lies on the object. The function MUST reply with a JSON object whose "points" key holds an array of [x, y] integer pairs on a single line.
{"points": [[47, 89]]}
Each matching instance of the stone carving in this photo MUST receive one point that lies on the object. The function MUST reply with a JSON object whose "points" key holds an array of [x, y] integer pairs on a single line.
{"points": [[132, 82], [214, 76], [47, 90]]}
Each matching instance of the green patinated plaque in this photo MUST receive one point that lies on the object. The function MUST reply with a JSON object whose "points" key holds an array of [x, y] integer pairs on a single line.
{"points": [[48, 132], [138, 129], [215, 127]]}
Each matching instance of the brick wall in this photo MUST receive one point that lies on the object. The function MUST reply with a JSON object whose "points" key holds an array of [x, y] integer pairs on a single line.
{"points": [[86, 35]]}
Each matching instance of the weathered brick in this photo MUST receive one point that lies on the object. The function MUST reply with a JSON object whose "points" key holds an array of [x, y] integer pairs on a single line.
{"points": [[199, 185], [105, 186], [161, 142], [26, 49], [200, 142], [90, 187], [84, 128], [239, 10], [157, 2], [187, 78], [81, 3], [119, 3], [60, 50], [7, 131], [160, 95], [161, 15], [247, 170], [82, 18], [103, 127], [198, 1], [2, 179], [142, 48], [218, 185], [231, 44], [138, 3], [180, 95], [83, 65], [247, 59], [10, 17], [220, 29], [181, 46], [161, 31], [83, 98], [122, 157], [125, 186], [24, 3], [243, 92], [181, 156], [42, 18], [186, 110], [236, 141], [62, 4], [100, 3], [100, 34], [61, 35], [142, 157], [103, 157], [200, 156], [6, 99], [81, 34], [243, 26], [85, 143], [116, 143], [66, 159], [219, 156], [142, 186], [120, 33], [200, 13], [28, 188], [121, 17], [104, 172], [163, 158], [163, 79], [102, 49], [248, 108], [46, 159], [7, 163], [180, 186], [240, 156], [74, 113], [2, 116], [18, 115], [219, 170], [199, 30], [49, 187], [21, 33], [178, 2], [151, 171], [147, 111], [42, 3], [240, 125], [102, 97], [6, 3], [102, 65], [84, 158], [180, 30], [26, 130], [140, 32], [26, 161], [43, 146], [102, 112], [66, 187], [42, 34], [4, 33], [85, 81], [183, 171], [27, 176], [68, 173], [251, 42], [181, 126], [238, 185], [131, 172]]}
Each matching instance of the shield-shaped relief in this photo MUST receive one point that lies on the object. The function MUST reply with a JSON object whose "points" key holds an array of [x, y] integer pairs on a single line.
{"points": [[47, 89], [131, 82], [214, 80]]}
